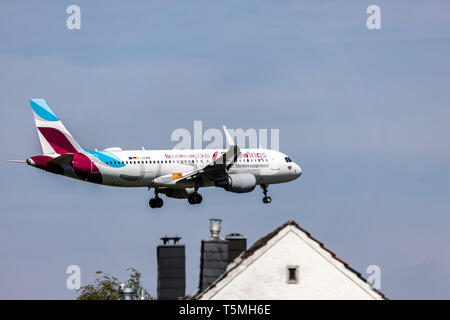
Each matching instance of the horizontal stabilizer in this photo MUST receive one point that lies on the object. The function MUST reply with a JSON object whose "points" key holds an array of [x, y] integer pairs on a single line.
{"points": [[16, 161]]}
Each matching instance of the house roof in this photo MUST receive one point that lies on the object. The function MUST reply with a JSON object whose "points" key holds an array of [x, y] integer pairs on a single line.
{"points": [[263, 241]]}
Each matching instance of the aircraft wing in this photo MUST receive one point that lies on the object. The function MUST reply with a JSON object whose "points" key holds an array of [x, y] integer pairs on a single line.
{"points": [[213, 170], [219, 166]]}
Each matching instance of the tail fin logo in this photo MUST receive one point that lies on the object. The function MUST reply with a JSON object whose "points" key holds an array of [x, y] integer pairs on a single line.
{"points": [[42, 110], [58, 141], [53, 135]]}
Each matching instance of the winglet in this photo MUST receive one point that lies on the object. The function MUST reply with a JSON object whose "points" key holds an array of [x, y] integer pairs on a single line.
{"points": [[228, 136]]}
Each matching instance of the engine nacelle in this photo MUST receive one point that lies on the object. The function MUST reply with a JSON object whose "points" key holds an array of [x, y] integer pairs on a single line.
{"points": [[177, 193], [238, 182]]}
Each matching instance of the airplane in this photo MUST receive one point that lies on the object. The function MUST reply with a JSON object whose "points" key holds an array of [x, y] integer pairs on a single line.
{"points": [[175, 173]]}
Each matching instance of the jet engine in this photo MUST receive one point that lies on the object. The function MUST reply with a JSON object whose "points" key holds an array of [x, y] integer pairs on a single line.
{"points": [[238, 182]]}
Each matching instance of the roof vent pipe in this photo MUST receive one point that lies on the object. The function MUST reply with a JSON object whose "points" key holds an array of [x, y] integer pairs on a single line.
{"points": [[215, 228]]}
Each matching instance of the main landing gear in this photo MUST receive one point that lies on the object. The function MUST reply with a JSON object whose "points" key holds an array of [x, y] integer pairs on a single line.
{"points": [[266, 199], [195, 198], [156, 202]]}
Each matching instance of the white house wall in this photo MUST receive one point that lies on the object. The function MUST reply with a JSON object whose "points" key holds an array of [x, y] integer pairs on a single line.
{"points": [[263, 275]]}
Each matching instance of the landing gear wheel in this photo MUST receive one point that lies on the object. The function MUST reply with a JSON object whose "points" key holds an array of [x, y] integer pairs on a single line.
{"points": [[191, 199], [195, 198], [267, 199], [156, 202]]}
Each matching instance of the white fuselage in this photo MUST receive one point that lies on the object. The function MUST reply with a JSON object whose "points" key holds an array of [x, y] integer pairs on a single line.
{"points": [[139, 168]]}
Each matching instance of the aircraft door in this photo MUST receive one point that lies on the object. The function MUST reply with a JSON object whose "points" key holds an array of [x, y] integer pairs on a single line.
{"points": [[94, 168], [151, 169], [274, 165]]}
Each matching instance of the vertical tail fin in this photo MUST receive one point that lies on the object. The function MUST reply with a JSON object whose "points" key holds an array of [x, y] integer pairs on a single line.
{"points": [[53, 135]]}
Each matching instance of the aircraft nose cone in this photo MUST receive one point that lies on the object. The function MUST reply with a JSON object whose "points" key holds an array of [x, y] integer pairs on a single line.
{"points": [[297, 171]]}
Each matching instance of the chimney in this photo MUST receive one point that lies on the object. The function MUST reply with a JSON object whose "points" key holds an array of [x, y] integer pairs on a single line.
{"points": [[171, 269], [237, 244], [214, 256]]}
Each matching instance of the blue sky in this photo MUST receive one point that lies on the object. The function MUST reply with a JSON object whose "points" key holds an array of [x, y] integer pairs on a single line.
{"points": [[365, 113]]}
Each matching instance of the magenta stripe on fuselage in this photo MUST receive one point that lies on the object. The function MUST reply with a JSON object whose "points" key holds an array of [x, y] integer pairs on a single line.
{"points": [[57, 140]]}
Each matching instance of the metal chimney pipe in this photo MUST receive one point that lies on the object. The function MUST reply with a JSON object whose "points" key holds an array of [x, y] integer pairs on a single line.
{"points": [[215, 228], [129, 294]]}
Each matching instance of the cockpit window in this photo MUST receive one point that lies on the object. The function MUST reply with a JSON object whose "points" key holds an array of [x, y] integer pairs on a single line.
{"points": [[288, 159]]}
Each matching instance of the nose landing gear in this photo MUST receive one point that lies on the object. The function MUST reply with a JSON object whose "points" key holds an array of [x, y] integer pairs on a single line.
{"points": [[266, 198], [156, 202]]}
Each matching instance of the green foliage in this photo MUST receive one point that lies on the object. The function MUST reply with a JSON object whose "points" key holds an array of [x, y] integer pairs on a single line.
{"points": [[107, 287]]}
